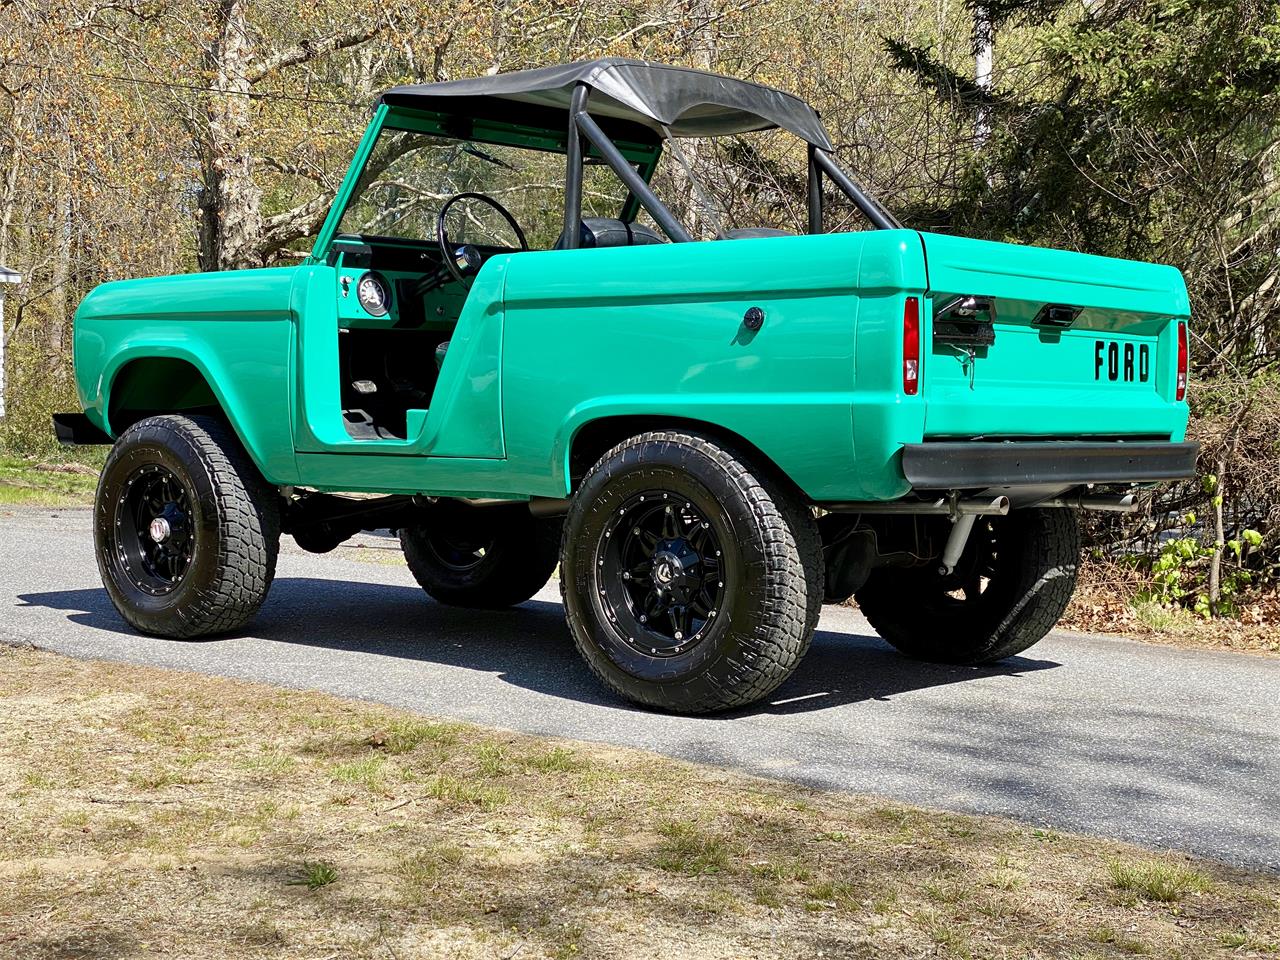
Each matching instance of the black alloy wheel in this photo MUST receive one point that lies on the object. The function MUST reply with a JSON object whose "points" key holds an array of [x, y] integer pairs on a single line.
{"points": [[185, 528], [661, 567], [691, 579], [492, 558], [459, 553], [154, 537]]}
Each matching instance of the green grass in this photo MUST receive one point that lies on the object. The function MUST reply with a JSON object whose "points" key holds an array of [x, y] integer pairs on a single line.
{"points": [[203, 816], [459, 792], [268, 763], [368, 772], [1158, 880], [688, 849], [25, 482], [1164, 619], [406, 736], [313, 876], [555, 760]]}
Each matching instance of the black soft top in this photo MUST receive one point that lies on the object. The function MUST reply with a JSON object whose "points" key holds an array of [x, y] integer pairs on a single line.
{"points": [[671, 101]]}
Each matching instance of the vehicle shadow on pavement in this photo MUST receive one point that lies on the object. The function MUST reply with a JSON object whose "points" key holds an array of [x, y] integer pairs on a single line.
{"points": [[527, 646]]}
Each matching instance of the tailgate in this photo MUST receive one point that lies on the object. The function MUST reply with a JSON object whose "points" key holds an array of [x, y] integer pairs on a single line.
{"points": [[1030, 342]]}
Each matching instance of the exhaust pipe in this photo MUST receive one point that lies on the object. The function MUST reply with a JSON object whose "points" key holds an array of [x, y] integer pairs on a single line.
{"points": [[1109, 502], [949, 507]]}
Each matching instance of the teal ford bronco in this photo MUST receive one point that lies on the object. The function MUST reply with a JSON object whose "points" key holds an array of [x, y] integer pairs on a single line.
{"points": [[506, 347]]}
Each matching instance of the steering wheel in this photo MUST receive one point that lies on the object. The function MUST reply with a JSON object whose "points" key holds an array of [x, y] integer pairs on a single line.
{"points": [[465, 261]]}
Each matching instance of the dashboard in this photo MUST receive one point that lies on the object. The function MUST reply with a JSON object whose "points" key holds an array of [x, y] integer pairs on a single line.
{"points": [[387, 284]]}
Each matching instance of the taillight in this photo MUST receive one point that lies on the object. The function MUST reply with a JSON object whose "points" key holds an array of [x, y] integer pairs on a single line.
{"points": [[1184, 362], [911, 347]]}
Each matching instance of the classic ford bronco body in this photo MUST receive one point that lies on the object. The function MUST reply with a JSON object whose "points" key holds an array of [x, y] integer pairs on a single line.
{"points": [[709, 437]]}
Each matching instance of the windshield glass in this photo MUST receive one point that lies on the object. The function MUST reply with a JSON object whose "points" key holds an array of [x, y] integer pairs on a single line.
{"points": [[410, 176]]}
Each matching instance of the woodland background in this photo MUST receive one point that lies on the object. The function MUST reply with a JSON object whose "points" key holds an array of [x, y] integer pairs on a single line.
{"points": [[144, 137]]}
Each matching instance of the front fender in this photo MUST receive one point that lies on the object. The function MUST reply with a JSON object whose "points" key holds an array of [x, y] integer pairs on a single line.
{"points": [[248, 376]]}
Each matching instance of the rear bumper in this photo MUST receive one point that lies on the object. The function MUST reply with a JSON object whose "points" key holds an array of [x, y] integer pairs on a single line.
{"points": [[979, 464], [76, 428]]}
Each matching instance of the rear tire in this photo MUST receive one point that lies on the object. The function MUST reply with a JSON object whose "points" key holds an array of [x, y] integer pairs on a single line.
{"points": [[185, 528], [691, 581], [1015, 577], [494, 564]]}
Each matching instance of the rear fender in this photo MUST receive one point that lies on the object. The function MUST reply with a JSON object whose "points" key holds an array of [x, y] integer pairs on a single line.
{"points": [[762, 423]]}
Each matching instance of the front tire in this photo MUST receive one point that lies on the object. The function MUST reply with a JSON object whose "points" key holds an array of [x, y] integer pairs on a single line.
{"points": [[1013, 582], [691, 582], [185, 528], [487, 564]]}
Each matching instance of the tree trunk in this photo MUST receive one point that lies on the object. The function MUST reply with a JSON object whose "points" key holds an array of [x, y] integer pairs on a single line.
{"points": [[230, 202], [698, 42], [984, 42], [1219, 541], [60, 272]]}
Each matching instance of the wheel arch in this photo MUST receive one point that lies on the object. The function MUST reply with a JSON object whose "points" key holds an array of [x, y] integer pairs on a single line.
{"points": [[144, 384], [595, 437]]}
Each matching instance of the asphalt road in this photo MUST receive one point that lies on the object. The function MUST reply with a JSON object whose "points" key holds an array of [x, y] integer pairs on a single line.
{"points": [[1163, 747]]}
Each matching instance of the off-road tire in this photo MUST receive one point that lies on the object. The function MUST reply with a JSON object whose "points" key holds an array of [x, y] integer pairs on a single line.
{"points": [[772, 571], [521, 553], [1039, 552], [234, 524]]}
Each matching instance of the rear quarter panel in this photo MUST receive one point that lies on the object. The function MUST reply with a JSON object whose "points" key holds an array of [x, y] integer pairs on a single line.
{"points": [[659, 330], [235, 328]]}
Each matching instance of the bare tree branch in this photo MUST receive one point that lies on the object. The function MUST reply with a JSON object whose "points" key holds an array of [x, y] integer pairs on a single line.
{"points": [[312, 48]]}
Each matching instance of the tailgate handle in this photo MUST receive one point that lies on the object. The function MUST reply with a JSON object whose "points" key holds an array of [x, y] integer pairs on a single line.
{"points": [[1057, 315], [966, 321]]}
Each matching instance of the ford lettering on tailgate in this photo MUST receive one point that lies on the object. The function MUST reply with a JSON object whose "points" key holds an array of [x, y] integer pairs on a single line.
{"points": [[1128, 362]]}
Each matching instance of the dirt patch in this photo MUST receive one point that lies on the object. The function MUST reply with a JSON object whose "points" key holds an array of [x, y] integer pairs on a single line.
{"points": [[155, 813]]}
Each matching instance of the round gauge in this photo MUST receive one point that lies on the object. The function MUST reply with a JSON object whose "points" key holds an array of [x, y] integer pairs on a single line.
{"points": [[374, 294]]}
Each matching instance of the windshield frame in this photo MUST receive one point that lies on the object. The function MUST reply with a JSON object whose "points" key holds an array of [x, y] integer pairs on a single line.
{"points": [[476, 130]]}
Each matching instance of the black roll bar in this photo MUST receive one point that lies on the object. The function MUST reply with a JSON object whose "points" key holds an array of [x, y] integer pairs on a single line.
{"points": [[627, 174], [573, 173], [581, 124], [880, 218]]}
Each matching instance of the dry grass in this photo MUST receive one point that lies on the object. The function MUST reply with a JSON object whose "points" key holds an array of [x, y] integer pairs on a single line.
{"points": [[149, 813], [1105, 602]]}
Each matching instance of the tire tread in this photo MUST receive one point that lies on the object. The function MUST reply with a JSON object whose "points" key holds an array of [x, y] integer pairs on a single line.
{"points": [[1047, 580], [792, 589], [247, 517]]}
